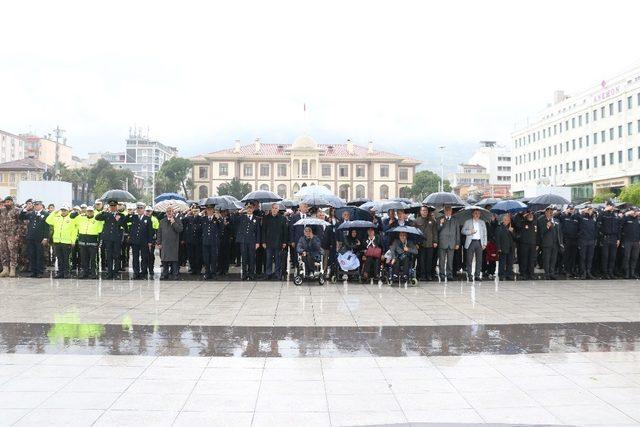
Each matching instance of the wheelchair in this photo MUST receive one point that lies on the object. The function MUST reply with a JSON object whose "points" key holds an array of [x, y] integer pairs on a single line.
{"points": [[389, 276], [301, 274]]}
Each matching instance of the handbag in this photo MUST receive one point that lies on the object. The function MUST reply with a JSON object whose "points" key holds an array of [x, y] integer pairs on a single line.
{"points": [[373, 252]]}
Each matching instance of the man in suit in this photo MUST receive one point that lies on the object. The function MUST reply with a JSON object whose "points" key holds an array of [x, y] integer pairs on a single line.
{"points": [[448, 242], [37, 235], [273, 240], [112, 234], [475, 242], [550, 240], [248, 236], [211, 229]]}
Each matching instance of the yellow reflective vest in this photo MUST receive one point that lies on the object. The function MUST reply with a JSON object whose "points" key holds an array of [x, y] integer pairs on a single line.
{"points": [[65, 228], [89, 226]]}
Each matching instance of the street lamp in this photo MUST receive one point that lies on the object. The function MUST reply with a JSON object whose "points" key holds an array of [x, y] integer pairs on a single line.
{"points": [[441, 167]]}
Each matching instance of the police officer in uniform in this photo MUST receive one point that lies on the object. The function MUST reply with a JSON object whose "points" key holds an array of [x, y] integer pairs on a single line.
{"points": [[37, 235], [526, 230], [248, 236], [112, 232], [141, 239], [609, 226], [551, 242], [630, 243], [211, 226], [192, 237], [227, 241], [587, 234], [569, 223]]}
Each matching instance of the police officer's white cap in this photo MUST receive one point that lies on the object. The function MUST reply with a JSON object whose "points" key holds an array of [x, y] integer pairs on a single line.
{"points": [[148, 208], [90, 208], [83, 206], [140, 205], [64, 207]]}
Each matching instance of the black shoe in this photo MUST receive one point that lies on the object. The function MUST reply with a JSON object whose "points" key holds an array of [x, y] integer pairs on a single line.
{"points": [[477, 279], [58, 276]]}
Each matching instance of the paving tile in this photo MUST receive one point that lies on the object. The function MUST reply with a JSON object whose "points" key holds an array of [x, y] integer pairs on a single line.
{"points": [[590, 414], [136, 418], [80, 400], [319, 419], [215, 419], [58, 417], [356, 403], [372, 417]]}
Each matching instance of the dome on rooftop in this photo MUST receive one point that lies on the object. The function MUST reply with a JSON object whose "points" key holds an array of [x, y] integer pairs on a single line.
{"points": [[303, 142]]}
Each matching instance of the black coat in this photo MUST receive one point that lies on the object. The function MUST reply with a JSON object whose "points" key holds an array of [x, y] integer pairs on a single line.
{"points": [[296, 231], [142, 231], [113, 229], [192, 229], [37, 228], [210, 230], [248, 230], [548, 237], [526, 232], [505, 241], [587, 229], [274, 230]]}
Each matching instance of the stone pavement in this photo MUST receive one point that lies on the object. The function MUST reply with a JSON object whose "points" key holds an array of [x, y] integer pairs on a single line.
{"points": [[269, 353]]}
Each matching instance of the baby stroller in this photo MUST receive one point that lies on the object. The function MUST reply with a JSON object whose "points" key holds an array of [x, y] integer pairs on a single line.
{"points": [[349, 267], [301, 274]]}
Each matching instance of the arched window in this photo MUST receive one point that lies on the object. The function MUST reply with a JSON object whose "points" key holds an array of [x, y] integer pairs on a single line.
{"points": [[203, 192], [343, 192], [405, 192], [360, 191], [282, 191], [305, 168], [264, 187], [384, 191], [328, 186], [296, 188]]}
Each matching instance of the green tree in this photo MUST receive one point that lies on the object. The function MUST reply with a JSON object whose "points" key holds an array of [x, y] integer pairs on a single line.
{"points": [[631, 194], [603, 196], [234, 188], [426, 182], [173, 177]]}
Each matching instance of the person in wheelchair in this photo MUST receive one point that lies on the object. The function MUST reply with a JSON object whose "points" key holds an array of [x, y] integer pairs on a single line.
{"points": [[372, 252], [403, 252], [310, 251], [351, 242]]}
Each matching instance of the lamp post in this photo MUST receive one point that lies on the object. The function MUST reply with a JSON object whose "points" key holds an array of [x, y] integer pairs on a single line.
{"points": [[441, 167]]}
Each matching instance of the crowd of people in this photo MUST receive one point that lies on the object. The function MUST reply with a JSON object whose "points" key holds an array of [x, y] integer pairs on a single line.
{"points": [[108, 238]]}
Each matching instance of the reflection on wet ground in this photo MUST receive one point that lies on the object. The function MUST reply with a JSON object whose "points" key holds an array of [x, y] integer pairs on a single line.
{"points": [[156, 340]]}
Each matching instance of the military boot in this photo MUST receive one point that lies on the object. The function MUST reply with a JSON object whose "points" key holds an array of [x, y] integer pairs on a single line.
{"points": [[12, 272], [5, 271]]}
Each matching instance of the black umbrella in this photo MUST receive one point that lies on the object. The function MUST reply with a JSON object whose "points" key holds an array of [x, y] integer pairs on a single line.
{"points": [[548, 199], [289, 203], [261, 196], [223, 203], [120, 196], [443, 198], [414, 208], [358, 202], [489, 201], [324, 201], [467, 212], [412, 232], [348, 225], [387, 205], [267, 206], [355, 213]]}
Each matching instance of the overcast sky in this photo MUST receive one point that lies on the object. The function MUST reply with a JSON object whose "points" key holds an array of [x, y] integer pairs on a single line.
{"points": [[408, 75]]}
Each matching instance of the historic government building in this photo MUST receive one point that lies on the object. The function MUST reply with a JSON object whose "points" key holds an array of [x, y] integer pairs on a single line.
{"points": [[348, 170]]}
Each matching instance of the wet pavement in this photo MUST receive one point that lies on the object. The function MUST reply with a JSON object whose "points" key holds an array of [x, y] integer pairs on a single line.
{"points": [[272, 354]]}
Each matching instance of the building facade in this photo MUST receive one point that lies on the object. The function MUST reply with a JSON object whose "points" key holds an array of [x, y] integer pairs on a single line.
{"points": [[348, 170], [44, 149], [142, 156], [469, 180], [589, 142], [11, 173], [11, 147]]}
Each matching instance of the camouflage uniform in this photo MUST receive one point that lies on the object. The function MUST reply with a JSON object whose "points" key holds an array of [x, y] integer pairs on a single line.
{"points": [[9, 236], [23, 258]]}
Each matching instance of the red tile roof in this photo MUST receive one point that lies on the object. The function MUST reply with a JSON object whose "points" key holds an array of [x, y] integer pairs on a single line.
{"points": [[27, 163]]}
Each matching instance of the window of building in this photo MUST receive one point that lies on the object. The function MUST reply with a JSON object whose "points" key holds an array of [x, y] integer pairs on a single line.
{"points": [[602, 110], [343, 192], [610, 158], [603, 136], [264, 187], [586, 117], [610, 134], [360, 171], [573, 166], [580, 120], [620, 156], [203, 172], [282, 191], [12, 177], [619, 131], [404, 174], [629, 128], [595, 161], [203, 192], [343, 171], [595, 115], [384, 171], [384, 192], [282, 169], [629, 102], [603, 161], [580, 165], [326, 170], [264, 169], [611, 109], [223, 169], [586, 140], [620, 106], [587, 163], [573, 144], [573, 122], [247, 169], [304, 168], [630, 154], [359, 191]]}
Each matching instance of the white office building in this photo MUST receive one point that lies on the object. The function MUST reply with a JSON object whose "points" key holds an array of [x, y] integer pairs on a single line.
{"points": [[589, 142], [496, 159]]}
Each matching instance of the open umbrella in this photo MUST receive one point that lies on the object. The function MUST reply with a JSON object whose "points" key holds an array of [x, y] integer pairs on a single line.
{"points": [[544, 200], [267, 206], [358, 202], [177, 205], [467, 211], [508, 206], [348, 225], [168, 196], [261, 196], [289, 204], [489, 201], [414, 208], [375, 205], [443, 198], [413, 233], [387, 205], [311, 221], [323, 201], [313, 190], [404, 200], [222, 203], [355, 213], [118, 195]]}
